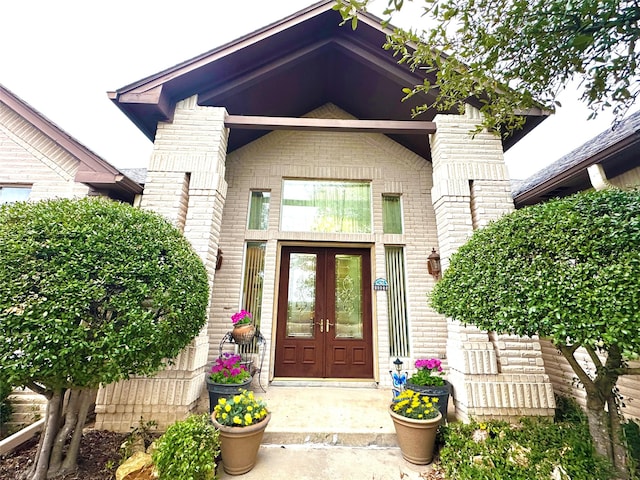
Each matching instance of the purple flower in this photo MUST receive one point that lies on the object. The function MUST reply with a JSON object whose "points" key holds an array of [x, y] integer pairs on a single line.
{"points": [[228, 368], [241, 317]]}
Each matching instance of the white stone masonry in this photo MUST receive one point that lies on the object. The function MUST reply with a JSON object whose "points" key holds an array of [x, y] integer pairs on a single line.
{"points": [[186, 184], [492, 375]]}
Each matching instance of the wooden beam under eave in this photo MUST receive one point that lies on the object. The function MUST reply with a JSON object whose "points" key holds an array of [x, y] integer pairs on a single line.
{"points": [[246, 122]]}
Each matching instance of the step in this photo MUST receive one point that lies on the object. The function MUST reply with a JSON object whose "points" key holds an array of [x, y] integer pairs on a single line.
{"points": [[336, 416]]}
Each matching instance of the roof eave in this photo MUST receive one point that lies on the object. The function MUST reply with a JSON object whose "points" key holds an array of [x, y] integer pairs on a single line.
{"points": [[601, 157], [90, 163]]}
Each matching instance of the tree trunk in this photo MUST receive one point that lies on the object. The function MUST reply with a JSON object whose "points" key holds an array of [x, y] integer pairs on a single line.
{"points": [[599, 427], [619, 448], [87, 399], [605, 429], [51, 427], [66, 415], [604, 424], [70, 419]]}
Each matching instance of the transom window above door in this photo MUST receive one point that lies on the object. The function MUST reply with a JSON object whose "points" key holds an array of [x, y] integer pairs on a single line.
{"points": [[329, 206]]}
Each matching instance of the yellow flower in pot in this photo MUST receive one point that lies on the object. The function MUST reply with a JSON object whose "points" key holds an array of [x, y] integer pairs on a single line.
{"points": [[416, 419], [241, 420]]}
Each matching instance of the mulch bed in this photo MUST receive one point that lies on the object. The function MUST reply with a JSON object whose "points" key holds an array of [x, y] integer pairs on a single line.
{"points": [[98, 459]]}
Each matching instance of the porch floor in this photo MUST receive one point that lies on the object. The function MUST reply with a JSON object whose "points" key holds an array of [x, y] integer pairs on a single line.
{"points": [[324, 432], [354, 416]]}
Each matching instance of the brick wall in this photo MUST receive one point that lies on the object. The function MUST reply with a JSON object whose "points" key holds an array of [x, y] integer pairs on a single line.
{"points": [[329, 155], [492, 375], [185, 183], [28, 157]]}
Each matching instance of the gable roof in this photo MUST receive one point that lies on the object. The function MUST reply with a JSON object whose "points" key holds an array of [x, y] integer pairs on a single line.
{"points": [[287, 69], [616, 149], [93, 170]]}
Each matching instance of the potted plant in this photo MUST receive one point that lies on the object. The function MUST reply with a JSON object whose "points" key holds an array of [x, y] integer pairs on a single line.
{"points": [[241, 420], [243, 327], [416, 419], [429, 380], [227, 377]]}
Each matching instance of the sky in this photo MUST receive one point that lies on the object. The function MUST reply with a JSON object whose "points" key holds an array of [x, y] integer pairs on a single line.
{"points": [[63, 56]]}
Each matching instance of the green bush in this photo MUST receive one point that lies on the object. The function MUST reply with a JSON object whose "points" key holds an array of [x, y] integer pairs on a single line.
{"points": [[631, 430], [5, 406], [568, 410], [188, 450], [532, 448]]}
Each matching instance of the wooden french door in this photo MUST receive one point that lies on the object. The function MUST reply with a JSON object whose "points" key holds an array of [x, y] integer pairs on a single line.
{"points": [[324, 313]]}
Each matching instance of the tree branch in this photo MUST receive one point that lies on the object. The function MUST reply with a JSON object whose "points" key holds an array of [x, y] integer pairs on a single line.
{"points": [[594, 356], [586, 380], [627, 371], [40, 390]]}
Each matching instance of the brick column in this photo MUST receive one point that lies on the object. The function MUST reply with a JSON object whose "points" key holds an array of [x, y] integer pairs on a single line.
{"points": [[186, 184], [492, 375]]}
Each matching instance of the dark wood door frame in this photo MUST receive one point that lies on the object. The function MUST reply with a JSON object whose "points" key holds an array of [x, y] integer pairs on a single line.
{"points": [[319, 352]]}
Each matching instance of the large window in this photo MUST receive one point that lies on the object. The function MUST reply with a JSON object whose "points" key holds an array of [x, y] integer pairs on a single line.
{"points": [[14, 194], [326, 206]]}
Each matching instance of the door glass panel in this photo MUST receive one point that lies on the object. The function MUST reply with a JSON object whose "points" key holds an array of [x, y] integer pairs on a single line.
{"points": [[348, 315], [302, 295]]}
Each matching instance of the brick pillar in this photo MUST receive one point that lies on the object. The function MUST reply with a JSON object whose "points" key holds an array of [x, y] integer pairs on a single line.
{"points": [[186, 184], [492, 375]]}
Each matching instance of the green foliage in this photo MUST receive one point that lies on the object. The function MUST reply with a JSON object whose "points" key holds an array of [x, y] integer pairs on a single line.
{"points": [[503, 52], [5, 406], [532, 448], [92, 291], [567, 269], [631, 430], [568, 410], [188, 450]]}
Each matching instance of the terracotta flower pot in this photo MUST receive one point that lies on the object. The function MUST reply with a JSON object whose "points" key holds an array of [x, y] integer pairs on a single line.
{"points": [[239, 445], [243, 334], [416, 438]]}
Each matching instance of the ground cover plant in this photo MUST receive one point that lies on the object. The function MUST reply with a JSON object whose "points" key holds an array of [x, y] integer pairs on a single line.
{"points": [[529, 449], [91, 291], [6, 408]]}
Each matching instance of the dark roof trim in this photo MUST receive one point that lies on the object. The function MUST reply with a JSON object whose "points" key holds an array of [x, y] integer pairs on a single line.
{"points": [[558, 180], [329, 124], [257, 75], [92, 167], [152, 99], [157, 80], [602, 149]]}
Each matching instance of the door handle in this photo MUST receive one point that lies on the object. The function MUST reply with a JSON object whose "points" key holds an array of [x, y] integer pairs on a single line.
{"points": [[328, 325], [321, 324]]}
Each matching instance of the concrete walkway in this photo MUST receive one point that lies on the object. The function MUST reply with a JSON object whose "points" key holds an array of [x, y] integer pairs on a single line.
{"points": [[330, 433]]}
